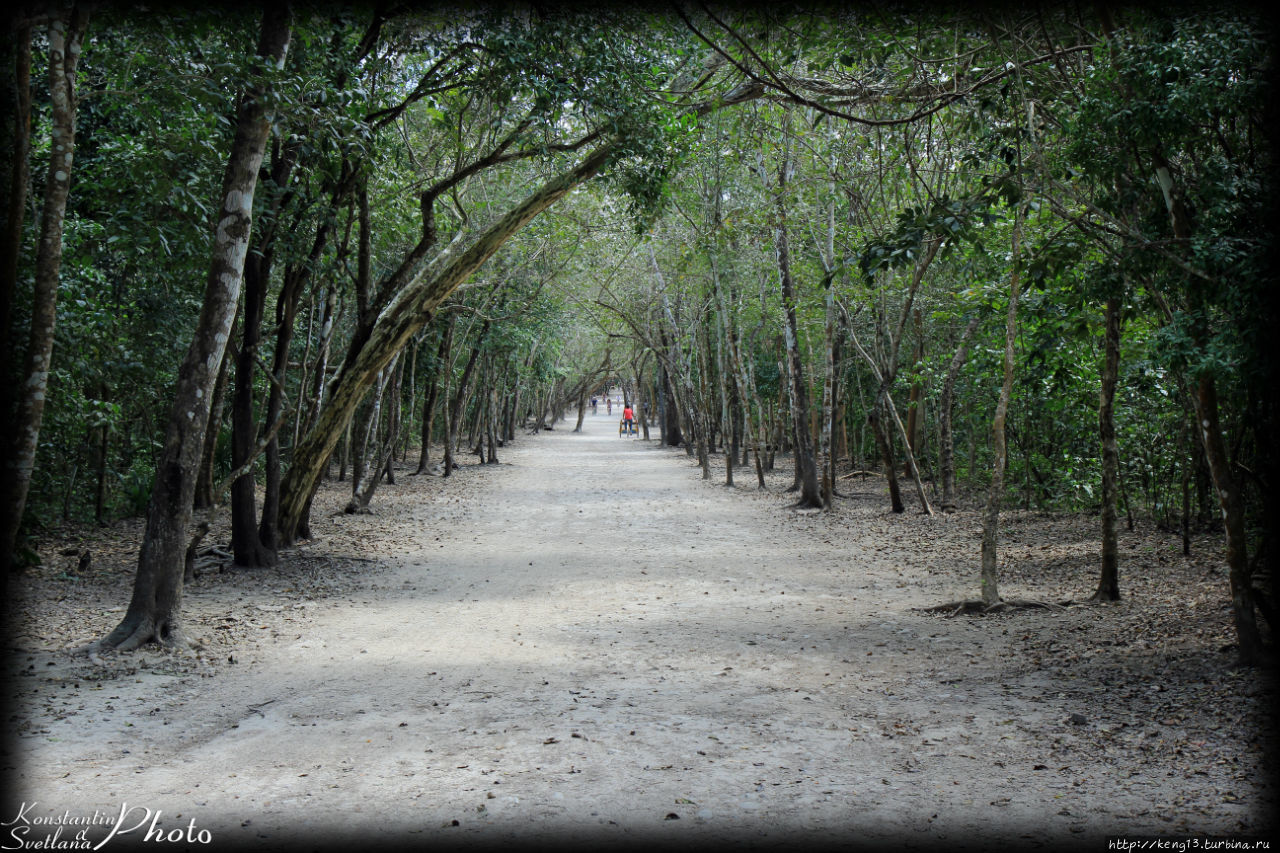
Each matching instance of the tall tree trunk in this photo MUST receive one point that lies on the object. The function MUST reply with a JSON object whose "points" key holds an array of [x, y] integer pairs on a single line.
{"points": [[727, 394], [755, 412], [670, 416], [64, 53], [701, 394], [991, 513], [730, 364], [246, 546], [691, 415], [1109, 577], [1229, 492], [296, 278], [946, 450], [1231, 502], [433, 393], [830, 345], [797, 388], [155, 609]]}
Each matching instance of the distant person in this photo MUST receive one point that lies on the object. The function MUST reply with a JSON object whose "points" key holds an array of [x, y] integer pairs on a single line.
{"points": [[609, 404], [628, 420], [594, 403]]}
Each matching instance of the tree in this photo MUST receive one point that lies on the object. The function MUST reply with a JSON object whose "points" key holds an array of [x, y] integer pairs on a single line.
{"points": [[154, 612], [995, 493], [1109, 574], [418, 165], [946, 452], [797, 388], [1173, 183], [65, 36]]}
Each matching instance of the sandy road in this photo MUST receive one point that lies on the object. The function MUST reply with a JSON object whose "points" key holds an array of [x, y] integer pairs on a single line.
{"points": [[588, 642]]}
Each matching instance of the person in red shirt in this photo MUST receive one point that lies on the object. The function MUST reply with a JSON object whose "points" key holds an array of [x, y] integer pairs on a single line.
{"points": [[628, 420]]}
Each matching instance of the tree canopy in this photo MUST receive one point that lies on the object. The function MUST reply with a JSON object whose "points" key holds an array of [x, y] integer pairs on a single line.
{"points": [[985, 251]]}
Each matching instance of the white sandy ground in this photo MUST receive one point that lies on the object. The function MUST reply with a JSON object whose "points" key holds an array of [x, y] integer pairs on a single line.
{"points": [[589, 643]]}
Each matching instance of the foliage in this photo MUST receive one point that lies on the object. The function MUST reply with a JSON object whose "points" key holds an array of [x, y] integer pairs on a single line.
{"points": [[900, 131]]}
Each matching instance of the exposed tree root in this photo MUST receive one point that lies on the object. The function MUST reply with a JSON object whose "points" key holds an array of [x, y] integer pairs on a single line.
{"points": [[129, 637], [981, 608]]}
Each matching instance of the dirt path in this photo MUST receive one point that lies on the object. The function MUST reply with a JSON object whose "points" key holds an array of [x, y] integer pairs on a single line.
{"points": [[589, 642]]}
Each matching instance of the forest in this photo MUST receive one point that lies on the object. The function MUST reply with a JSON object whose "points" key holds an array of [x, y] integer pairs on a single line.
{"points": [[1007, 257]]}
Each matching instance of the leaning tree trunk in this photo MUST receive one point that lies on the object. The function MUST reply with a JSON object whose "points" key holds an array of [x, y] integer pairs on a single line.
{"points": [[886, 457], [375, 461], [991, 513], [1109, 577], [64, 53], [407, 313], [155, 609], [913, 469]]}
